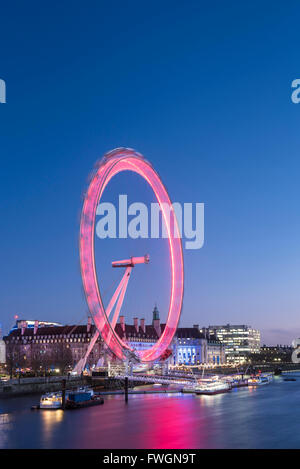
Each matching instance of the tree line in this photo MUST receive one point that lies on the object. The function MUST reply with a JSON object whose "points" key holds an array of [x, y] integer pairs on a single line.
{"points": [[40, 360]]}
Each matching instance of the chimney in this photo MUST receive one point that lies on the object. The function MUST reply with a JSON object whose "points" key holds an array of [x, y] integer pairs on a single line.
{"points": [[23, 328], [36, 326], [89, 324], [122, 322], [196, 326], [142, 324], [136, 324]]}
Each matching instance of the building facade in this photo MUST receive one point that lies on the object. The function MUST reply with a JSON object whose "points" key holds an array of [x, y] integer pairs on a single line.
{"points": [[273, 354], [192, 347], [2, 349], [189, 346], [240, 341], [38, 346], [51, 346], [215, 352], [2, 352], [138, 335], [46, 347]]}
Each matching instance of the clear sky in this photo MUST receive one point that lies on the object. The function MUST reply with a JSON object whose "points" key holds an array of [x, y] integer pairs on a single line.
{"points": [[203, 90]]}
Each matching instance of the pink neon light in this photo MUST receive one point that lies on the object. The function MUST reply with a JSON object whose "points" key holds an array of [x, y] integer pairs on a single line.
{"points": [[125, 159]]}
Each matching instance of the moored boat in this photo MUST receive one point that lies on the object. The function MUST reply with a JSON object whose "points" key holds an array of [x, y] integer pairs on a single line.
{"points": [[83, 398], [260, 379], [213, 388], [208, 387], [53, 400], [236, 381]]}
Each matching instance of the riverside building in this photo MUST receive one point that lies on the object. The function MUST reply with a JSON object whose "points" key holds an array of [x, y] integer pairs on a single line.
{"points": [[240, 341], [52, 346], [39, 345], [2, 349], [193, 347]]}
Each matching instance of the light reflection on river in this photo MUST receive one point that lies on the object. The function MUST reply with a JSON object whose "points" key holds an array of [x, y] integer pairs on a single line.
{"points": [[263, 417]]}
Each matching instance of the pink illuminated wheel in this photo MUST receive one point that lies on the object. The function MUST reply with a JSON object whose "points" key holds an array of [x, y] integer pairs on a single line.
{"points": [[114, 162]]}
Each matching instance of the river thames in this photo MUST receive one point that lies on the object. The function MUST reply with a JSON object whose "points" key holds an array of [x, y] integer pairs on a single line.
{"points": [[262, 417]]}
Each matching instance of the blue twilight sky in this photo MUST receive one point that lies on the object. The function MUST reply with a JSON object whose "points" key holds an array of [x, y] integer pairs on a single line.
{"points": [[203, 90]]}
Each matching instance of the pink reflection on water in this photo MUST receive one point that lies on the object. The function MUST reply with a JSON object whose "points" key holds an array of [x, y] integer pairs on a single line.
{"points": [[171, 423]]}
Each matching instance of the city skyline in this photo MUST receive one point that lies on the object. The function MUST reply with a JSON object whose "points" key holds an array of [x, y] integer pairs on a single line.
{"points": [[30, 323], [193, 95]]}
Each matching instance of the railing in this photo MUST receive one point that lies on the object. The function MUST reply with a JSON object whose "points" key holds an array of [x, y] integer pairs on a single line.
{"points": [[154, 379]]}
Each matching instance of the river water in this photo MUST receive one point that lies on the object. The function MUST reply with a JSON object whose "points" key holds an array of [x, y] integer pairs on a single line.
{"points": [[262, 417]]}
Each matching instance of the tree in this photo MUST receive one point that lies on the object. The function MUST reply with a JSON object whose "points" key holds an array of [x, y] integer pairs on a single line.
{"points": [[61, 356], [14, 357], [40, 358], [35, 358]]}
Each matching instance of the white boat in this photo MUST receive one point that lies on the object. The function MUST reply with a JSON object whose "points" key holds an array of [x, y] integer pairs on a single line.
{"points": [[236, 381], [212, 388], [260, 379], [189, 389], [51, 400], [208, 386]]}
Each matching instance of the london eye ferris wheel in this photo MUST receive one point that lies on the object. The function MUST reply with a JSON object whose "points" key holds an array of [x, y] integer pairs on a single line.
{"points": [[114, 162]]}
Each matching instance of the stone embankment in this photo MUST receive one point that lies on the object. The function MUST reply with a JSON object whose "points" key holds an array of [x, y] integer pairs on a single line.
{"points": [[23, 386]]}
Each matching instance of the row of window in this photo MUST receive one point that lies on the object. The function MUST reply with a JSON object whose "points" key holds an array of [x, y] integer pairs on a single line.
{"points": [[54, 341], [51, 336]]}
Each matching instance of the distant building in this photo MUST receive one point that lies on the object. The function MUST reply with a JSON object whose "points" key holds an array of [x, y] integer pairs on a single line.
{"points": [[189, 346], [2, 352], [39, 345], [239, 340], [37, 342], [30, 323], [139, 335], [42, 346], [192, 347], [273, 354], [215, 352], [2, 349]]}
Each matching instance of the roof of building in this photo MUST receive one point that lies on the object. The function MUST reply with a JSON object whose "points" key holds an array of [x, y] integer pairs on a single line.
{"points": [[55, 330], [231, 326], [189, 332], [130, 331]]}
